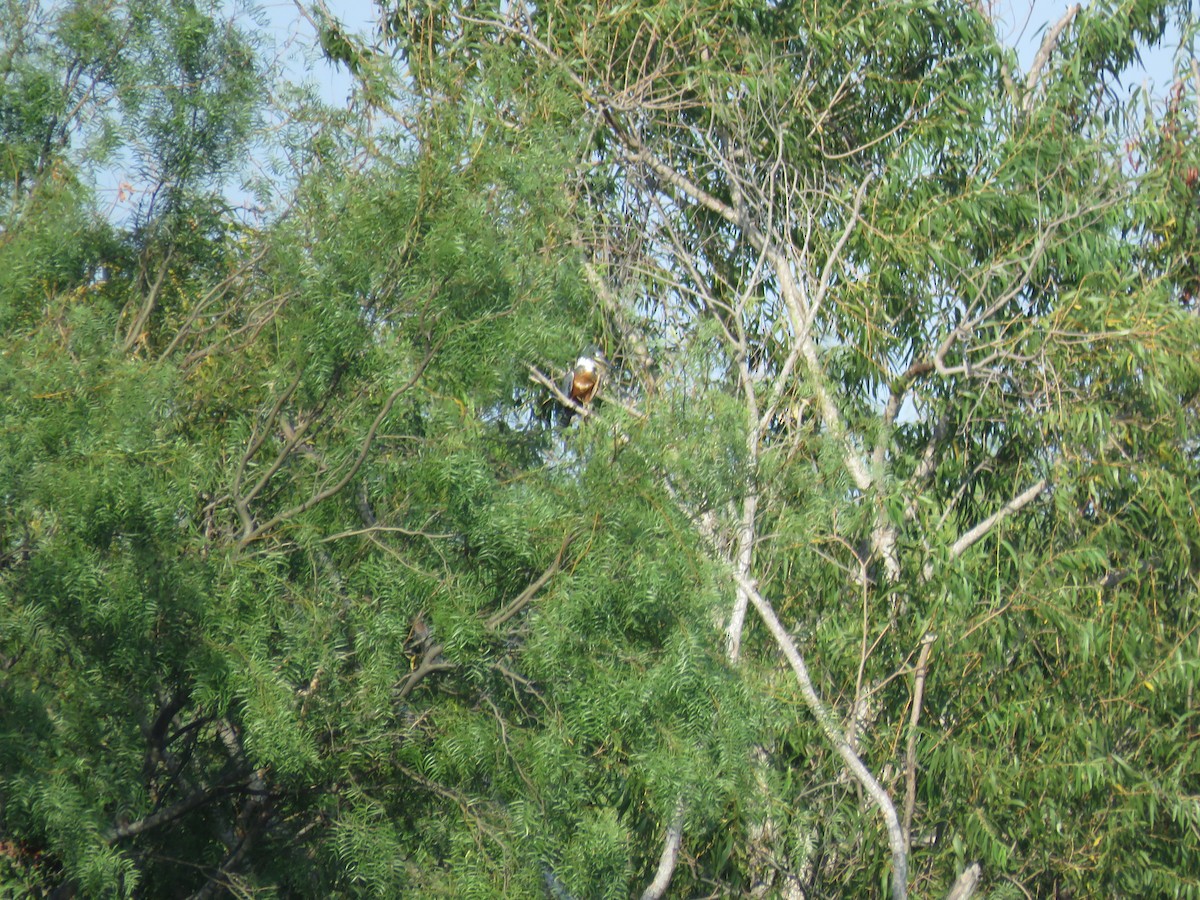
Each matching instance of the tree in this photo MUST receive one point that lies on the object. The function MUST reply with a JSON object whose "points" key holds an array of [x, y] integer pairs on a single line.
{"points": [[874, 571], [866, 259]]}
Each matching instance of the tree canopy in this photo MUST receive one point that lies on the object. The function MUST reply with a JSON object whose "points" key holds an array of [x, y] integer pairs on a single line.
{"points": [[872, 570]]}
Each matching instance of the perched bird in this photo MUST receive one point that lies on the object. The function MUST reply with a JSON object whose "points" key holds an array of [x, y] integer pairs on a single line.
{"points": [[418, 636], [582, 383]]}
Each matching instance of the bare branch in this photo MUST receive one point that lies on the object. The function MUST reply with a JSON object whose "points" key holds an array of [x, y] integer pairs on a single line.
{"points": [[967, 328], [980, 530], [827, 273], [1195, 66], [351, 470], [834, 735], [1049, 41], [388, 529], [832, 417], [431, 662], [258, 436], [910, 750], [964, 886], [133, 335], [631, 340], [743, 558], [293, 437], [670, 854], [163, 816], [256, 319], [499, 618], [545, 381], [537, 376], [214, 293]]}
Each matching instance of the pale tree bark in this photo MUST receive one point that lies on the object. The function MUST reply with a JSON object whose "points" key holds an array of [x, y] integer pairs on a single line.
{"points": [[670, 854], [793, 231], [1034, 77], [837, 739], [964, 886], [803, 293]]}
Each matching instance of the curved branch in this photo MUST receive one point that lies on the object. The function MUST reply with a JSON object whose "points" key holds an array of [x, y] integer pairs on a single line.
{"points": [[834, 735], [522, 600], [431, 662]]}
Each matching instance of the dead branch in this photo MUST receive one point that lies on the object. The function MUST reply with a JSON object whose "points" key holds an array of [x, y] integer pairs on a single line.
{"points": [[795, 296], [631, 339], [388, 529], [256, 321], [826, 277], [980, 530]]}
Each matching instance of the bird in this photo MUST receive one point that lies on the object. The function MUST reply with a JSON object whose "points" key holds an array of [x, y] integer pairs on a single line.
{"points": [[582, 382], [418, 635]]}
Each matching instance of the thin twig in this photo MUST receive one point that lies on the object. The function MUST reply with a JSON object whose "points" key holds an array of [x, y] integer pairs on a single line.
{"points": [[214, 293], [257, 437], [351, 470]]}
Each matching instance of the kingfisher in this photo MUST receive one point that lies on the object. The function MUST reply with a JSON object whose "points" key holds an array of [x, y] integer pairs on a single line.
{"points": [[582, 383]]}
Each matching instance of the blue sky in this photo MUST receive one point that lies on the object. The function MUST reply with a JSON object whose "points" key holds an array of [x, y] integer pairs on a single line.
{"points": [[290, 39], [1020, 24]]}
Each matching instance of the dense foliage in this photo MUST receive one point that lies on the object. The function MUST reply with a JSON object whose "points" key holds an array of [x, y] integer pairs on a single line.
{"points": [[873, 569]]}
